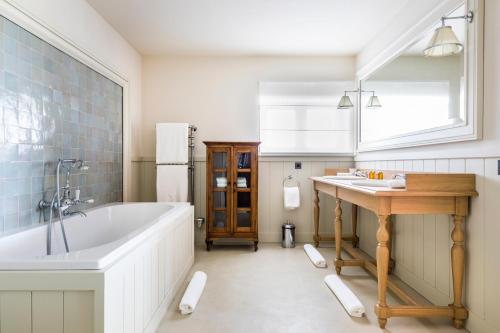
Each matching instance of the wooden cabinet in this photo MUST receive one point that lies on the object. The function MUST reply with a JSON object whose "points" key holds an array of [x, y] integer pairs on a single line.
{"points": [[232, 191]]}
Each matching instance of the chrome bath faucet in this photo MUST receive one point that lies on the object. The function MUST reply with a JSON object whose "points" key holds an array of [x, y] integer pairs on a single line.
{"points": [[61, 204]]}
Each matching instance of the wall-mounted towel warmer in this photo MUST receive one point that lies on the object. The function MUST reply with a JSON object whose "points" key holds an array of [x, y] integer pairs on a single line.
{"points": [[192, 129]]}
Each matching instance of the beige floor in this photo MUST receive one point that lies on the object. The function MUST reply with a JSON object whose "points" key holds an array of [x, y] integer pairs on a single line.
{"points": [[279, 290]]}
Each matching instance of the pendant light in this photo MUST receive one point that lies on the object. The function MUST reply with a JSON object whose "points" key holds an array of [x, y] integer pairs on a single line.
{"points": [[444, 42]]}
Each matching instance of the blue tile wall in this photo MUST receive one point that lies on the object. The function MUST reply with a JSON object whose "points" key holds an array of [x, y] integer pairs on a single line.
{"points": [[53, 106]]}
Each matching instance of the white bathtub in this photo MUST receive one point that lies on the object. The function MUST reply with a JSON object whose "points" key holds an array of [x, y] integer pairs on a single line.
{"points": [[126, 263]]}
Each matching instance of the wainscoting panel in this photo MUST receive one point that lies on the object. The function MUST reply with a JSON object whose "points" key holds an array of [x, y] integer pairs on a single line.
{"points": [[271, 212], [422, 243]]}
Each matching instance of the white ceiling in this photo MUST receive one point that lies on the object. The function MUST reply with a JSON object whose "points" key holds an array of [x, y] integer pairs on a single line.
{"points": [[248, 27]]}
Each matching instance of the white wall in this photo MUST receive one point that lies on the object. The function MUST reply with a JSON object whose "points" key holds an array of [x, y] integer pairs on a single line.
{"points": [[77, 22], [422, 243], [220, 94]]}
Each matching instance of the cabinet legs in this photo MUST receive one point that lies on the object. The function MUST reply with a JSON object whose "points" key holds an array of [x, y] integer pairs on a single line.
{"points": [[382, 267], [210, 244]]}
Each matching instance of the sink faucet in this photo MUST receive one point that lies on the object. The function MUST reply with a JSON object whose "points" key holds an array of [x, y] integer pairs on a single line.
{"points": [[62, 204]]}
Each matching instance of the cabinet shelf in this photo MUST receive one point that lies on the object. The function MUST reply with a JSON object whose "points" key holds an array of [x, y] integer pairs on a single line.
{"points": [[243, 189], [219, 189], [244, 170], [219, 170]]}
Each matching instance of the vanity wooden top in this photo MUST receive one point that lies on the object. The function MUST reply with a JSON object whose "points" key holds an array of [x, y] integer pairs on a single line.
{"points": [[417, 185]]}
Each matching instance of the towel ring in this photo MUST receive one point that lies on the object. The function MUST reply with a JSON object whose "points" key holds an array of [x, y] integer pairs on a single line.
{"points": [[289, 177]]}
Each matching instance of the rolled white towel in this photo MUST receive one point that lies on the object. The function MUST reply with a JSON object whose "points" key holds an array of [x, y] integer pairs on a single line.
{"points": [[317, 259], [351, 303], [193, 293]]}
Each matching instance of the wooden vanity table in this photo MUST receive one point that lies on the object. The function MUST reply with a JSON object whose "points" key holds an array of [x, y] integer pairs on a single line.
{"points": [[425, 193]]}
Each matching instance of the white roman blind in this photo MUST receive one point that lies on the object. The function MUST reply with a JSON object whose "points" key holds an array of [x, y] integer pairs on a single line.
{"points": [[302, 118]]}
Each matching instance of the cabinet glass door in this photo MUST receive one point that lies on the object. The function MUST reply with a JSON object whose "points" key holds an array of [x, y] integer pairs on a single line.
{"points": [[244, 188], [220, 180]]}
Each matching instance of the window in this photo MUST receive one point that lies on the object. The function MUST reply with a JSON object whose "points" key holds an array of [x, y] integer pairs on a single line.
{"points": [[301, 118]]}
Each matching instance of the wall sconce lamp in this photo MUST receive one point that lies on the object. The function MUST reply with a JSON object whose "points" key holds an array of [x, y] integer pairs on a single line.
{"points": [[346, 103], [444, 42]]}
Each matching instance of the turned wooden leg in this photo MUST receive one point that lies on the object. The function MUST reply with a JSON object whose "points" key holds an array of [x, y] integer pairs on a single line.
{"points": [[354, 223], [338, 235], [382, 268], [457, 268], [389, 247], [316, 217]]}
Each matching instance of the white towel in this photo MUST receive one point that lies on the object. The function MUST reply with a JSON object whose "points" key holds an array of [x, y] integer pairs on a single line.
{"points": [[291, 197], [392, 183], [172, 143], [193, 293], [351, 303], [221, 181], [172, 183], [317, 259]]}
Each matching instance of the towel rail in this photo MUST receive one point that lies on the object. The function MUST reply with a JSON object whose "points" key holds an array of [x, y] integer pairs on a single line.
{"points": [[192, 129]]}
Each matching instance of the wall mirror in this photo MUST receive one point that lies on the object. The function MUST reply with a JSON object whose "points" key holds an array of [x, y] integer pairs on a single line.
{"points": [[429, 91]]}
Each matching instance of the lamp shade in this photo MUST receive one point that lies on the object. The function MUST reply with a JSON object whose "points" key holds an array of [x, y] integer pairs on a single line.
{"points": [[373, 102], [345, 103], [443, 43]]}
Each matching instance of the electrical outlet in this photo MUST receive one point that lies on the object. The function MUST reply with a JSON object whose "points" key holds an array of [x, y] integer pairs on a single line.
{"points": [[298, 165]]}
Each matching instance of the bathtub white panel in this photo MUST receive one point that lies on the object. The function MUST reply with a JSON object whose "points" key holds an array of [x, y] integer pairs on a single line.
{"points": [[155, 296], [130, 295], [79, 312], [138, 295], [271, 211], [129, 300], [149, 267], [47, 311], [15, 312], [433, 245]]}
